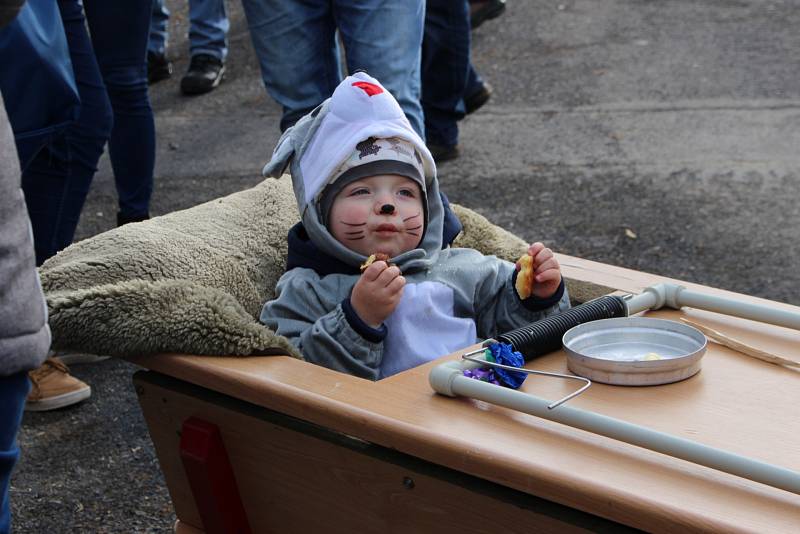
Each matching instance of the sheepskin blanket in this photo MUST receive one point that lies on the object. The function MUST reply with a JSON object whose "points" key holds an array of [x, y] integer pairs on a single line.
{"points": [[194, 281]]}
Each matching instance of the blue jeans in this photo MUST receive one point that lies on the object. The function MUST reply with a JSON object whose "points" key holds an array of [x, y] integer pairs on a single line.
{"points": [[34, 53], [13, 391], [111, 75], [295, 45], [474, 82], [208, 28], [446, 68]]}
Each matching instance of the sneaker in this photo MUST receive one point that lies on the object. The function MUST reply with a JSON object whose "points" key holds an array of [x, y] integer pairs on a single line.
{"points": [[474, 101], [52, 387], [442, 153], [482, 10], [158, 68], [204, 74]]}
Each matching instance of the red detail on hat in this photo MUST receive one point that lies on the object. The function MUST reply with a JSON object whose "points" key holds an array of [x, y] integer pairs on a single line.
{"points": [[370, 88]]}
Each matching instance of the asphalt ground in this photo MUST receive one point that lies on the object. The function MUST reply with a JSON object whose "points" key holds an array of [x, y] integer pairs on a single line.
{"points": [[660, 136]]}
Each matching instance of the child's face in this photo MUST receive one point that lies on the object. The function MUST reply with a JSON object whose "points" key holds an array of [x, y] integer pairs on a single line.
{"points": [[382, 213]]}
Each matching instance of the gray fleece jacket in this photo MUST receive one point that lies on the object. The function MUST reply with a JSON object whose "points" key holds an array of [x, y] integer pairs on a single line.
{"points": [[452, 298], [24, 335]]}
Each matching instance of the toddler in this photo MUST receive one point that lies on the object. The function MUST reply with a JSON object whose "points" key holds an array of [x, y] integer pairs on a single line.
{"points": [[366, 184]]}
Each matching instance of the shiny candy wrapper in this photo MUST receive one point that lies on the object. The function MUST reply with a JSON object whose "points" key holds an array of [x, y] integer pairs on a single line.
{"points": [[504, 354]]}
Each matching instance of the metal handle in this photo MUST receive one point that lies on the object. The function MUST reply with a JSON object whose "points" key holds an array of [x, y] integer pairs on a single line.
{"points": [[470, 357]]}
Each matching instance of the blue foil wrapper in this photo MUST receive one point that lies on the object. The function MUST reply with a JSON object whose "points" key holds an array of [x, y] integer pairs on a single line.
{"points": [[504, 354], [484, 375]]}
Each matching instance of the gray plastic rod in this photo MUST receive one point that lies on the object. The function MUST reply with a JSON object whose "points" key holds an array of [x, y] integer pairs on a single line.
{"points": [[676, 296], [448, 379]]}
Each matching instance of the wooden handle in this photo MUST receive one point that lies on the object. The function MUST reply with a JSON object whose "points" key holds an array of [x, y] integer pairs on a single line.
{"points": [[731, 343]]}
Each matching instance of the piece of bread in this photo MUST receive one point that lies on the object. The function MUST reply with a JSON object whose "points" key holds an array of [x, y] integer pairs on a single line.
{"points": [[378, 256], [650, 356], [524, 283]]}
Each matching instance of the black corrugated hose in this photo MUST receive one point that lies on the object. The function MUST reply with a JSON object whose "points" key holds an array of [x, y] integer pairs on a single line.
{"points": [[543, 337]]}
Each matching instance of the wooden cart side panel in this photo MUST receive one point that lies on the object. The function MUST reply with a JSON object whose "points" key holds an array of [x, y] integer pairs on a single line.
{"points": [[731, 404], [293, 481], [185, 528]]}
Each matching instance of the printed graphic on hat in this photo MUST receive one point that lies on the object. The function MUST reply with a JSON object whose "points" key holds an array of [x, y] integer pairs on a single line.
{"points": [[367, 148], [399, 149]]}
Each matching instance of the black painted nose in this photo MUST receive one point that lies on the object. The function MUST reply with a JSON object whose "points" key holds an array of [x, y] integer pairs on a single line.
{"points": [[387, 209]]}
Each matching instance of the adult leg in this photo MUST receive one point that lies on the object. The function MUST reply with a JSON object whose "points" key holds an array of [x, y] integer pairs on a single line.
{"points": [[55, 184], [46, 184], [159, 29], [13, 391], [57, 181], [384, 37], [158, 67], [477, 92], [25, 336], [119, 35], [294, 43], [208, 28], [445, 65]]}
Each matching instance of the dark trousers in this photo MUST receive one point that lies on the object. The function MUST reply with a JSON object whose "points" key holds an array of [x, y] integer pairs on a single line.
{"points": [[111, 74], [445, 68], [13, 391]]}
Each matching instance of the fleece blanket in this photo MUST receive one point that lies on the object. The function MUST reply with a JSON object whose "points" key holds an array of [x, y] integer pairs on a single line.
{"points": [[194, 281]]}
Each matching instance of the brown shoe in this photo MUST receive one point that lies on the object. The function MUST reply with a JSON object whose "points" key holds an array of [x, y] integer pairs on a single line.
{"points": [[53, 387]]}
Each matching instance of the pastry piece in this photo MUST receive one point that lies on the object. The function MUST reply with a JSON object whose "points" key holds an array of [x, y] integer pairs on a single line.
{"points": [[650, 356], [524, 283], [378, 256]]}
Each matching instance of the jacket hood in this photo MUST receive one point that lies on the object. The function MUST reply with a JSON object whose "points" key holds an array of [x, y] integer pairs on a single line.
{"points": [[321, 141]]}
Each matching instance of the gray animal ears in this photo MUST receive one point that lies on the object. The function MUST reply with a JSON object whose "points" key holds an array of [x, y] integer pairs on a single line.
{"points": [[299, 134], [281, 156]]}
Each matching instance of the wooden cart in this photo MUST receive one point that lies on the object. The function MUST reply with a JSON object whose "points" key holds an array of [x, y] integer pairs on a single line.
{"points": [[273, 444]]}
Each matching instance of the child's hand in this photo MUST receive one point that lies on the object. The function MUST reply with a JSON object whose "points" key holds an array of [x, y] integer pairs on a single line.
{"points": [[377, 293], [547, 272]]}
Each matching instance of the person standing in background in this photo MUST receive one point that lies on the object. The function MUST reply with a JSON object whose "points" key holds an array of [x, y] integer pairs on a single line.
{"points": [[451, 87], [208, 45], [296, 48], [479, 91], [109, 72], [24, 334], [111, 75]]}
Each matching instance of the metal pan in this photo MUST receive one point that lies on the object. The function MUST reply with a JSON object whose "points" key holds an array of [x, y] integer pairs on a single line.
{"points": [[613, 351]]}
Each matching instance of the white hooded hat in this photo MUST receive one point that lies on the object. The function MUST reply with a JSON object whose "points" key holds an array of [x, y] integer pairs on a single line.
{"points": [[322, 142]]}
